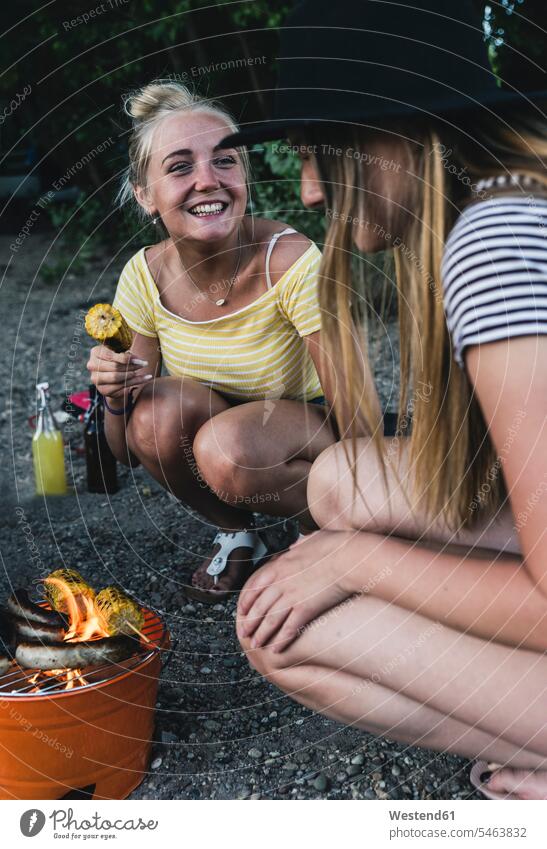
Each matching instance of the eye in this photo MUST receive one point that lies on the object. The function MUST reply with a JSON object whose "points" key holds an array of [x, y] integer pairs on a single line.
{"points": [[182, 167], [225, 161]]}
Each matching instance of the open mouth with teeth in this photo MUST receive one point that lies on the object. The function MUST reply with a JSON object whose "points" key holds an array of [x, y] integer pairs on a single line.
{"points": [[207, 210]]}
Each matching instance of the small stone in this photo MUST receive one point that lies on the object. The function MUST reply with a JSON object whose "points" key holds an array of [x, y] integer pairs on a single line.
{"points": [[211, 725], [290, 767], [341, 777], [255, 754], [321, 783], [168, 737], [369, 793], [358, 759], [376, 776], [353, 769], [395, 770], [205, 670], [219, 607], [156, 763]]}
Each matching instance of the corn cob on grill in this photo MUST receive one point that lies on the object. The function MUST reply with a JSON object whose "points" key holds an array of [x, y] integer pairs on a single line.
{"points": [[74, 583], [106, 324], [120, 613]]}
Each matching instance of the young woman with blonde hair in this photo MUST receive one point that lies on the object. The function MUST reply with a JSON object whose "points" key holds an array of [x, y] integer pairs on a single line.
{"points": [[227, 303], [419, 610]]}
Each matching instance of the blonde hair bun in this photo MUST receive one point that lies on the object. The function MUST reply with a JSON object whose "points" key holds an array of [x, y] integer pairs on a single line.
{"points": [[156, 97]]}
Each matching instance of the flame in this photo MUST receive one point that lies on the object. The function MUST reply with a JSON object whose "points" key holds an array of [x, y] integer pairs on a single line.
{"points": [[86, 622]]}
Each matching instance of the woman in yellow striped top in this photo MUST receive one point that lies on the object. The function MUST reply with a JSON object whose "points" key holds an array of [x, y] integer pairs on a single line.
{"points": [[227, 304]]}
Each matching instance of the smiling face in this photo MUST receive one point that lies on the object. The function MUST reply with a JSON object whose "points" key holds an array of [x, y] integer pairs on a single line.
{"points": [[198, 190]]}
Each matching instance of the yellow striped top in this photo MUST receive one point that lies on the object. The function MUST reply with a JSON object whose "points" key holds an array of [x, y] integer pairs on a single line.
{"points": [[255, 353]]}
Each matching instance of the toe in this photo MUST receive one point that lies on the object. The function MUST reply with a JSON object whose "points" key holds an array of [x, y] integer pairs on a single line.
{"points": [[520, 783]]}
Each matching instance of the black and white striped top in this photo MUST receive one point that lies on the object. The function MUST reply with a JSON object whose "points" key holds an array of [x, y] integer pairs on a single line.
{"points": [[494, 272]]}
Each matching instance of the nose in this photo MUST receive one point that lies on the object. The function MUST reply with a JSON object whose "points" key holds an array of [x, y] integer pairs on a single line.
{"points": [[311, 190], [205, 176]]}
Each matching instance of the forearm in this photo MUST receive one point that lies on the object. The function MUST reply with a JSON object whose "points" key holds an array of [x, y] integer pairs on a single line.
{"points": [[116, 433], [493, 599]]}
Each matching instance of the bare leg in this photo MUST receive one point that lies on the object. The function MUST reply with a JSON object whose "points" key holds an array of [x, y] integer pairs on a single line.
{"points": [[161, 433], [335, 504], [261, 453], [398, 674], [174, 428]]}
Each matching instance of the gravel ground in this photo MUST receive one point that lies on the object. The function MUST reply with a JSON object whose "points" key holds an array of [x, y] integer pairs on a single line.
{"points": [[222, 732]]}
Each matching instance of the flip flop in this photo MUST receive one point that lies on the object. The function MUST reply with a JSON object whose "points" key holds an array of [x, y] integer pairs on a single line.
{"points": [[475, 778], [229, 542]]}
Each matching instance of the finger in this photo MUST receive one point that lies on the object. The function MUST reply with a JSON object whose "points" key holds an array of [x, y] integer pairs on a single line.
{"points": [[113, 378], [253, 588], [117, 361], [259, 609], [103, 352], [289, 631], [270, 625]]}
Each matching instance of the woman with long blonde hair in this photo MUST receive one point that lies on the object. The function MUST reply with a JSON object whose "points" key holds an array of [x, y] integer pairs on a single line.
{"points": [[419, 610]]}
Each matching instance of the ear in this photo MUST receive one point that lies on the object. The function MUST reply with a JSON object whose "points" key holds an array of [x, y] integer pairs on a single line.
{"points": [[142, 197]]}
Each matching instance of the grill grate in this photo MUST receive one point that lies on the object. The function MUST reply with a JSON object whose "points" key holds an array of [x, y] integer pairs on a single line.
{"points": [[16, 681]]}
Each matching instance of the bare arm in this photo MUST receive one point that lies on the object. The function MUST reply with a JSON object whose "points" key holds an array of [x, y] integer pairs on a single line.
{"points": [[504, 598], [332, 379], [114, 375]]}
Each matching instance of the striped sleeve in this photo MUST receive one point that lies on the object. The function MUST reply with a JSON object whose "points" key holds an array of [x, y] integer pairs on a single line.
{"points": [[297, 293], [495, 272], [134, 299]]}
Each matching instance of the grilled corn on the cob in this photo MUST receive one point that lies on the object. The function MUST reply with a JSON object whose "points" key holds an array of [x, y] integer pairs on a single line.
{"points": [[106, 324], [120, 613], [61, 581]]}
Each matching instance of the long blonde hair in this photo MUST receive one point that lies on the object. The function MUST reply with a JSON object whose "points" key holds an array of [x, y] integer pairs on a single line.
{"points": [[455, 473], [148, 107]]}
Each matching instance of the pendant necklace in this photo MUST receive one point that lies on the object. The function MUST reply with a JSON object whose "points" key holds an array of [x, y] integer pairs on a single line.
{"points": [[218, 302]]}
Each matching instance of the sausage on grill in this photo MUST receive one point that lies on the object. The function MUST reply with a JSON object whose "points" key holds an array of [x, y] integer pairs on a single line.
{"points": [[36, 631], [72, 655], [20, 604]]}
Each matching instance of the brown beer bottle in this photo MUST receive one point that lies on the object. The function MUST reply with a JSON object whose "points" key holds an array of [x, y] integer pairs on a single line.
{"points": [[101, 463]]}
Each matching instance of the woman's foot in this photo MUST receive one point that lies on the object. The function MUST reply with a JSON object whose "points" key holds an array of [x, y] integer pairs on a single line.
{"points": [[240, 562], [519, 783], [509, 783]]}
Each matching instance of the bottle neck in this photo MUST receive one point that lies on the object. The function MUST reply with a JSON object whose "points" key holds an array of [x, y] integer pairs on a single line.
{"points": [[45, 423]]}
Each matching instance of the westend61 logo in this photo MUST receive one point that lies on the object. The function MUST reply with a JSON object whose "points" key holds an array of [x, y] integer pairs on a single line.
{"points": [[33, 821]]}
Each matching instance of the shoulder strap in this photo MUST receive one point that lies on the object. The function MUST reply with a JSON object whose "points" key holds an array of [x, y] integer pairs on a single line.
{"points": [[271, 246]]}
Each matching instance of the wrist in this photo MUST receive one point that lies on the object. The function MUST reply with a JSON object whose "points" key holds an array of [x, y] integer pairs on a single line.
{"points": [[120, 405], [117, 402]]}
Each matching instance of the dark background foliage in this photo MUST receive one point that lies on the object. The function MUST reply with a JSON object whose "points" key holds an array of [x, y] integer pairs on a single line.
{"points": [[78, 72]]}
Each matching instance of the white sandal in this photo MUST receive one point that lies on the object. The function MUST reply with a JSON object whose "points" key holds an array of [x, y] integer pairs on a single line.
{"points": [[229, 542]]}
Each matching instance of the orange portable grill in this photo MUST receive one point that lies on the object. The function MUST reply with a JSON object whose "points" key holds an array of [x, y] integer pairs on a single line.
{"points": [[83, 732]]}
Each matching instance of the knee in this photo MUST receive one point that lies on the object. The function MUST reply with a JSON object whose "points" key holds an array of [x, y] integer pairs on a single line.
{"points": [[223, 456], [336, 501], [325, 490], [158, 424]]}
